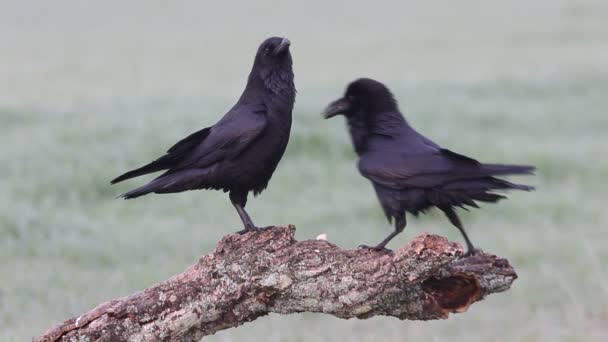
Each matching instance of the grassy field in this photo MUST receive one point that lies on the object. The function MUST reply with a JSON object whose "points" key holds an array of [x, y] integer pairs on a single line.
{"points": [[89, 90]]}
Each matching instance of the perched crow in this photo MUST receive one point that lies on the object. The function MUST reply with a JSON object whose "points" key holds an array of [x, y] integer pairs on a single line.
{"points": [[409, 172], [241, 151]]}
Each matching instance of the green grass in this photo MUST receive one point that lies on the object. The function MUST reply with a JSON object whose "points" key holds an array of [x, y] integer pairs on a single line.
{"points": [[89, 92]]}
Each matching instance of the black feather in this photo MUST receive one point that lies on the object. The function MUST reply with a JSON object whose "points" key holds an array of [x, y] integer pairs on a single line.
{"points": [[242, 150], [171, 159], [411, 173]]}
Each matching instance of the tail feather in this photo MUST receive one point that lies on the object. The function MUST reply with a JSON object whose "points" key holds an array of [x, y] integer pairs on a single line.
{"points": [[505, 169], [486, 197], [158, 185], [465, 193], [155, 166], [174, 155], [487, 183], [172, 182], [142, 190]]}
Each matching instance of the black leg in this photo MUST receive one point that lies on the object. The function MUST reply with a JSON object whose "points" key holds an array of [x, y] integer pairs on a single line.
{"points": [[400, 223], [455, 220], [239, 200]]}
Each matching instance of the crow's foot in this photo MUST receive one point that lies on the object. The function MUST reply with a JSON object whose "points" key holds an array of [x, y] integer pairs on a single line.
{"points": [[378, 248]]}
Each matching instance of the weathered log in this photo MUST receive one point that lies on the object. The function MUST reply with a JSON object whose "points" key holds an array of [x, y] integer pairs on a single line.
{"points": [[251, 275]]}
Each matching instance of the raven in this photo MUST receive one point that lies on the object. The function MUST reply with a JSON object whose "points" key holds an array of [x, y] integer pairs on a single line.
{"points": [[409, 172], [241, 151]]}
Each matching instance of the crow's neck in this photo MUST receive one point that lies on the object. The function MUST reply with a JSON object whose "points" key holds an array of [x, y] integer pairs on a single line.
{"points": [[364, 127], [359, 133], [275, 89], [389, 123]]}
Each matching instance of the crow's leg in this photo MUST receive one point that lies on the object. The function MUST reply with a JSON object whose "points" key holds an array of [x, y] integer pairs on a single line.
{"points": [[239, 200], [400, 223], [455, 220]]}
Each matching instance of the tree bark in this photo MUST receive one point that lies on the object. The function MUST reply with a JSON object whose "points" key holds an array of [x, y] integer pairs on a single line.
{"points": [[251, 275]]}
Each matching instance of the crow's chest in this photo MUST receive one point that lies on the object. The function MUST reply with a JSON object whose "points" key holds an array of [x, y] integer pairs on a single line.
{"points": [[268, 149]]}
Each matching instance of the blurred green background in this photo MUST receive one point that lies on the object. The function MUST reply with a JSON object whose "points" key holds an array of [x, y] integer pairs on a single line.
{"points": [[90, 89]]}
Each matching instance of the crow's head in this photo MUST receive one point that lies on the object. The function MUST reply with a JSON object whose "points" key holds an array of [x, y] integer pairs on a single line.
{"points": [[273, 49], [272, 72], [363, 97], [273, 54]]}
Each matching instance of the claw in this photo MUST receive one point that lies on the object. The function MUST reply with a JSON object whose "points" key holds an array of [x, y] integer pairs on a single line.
{"points": [[378, 248], [472, 252], [249, 229]]}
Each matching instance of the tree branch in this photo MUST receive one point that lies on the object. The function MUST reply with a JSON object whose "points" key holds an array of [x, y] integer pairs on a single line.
{"points": [[251, 275]]}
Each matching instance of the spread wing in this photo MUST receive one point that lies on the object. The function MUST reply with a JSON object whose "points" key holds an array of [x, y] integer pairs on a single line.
{"points": [[430, 170], [420, 171]]}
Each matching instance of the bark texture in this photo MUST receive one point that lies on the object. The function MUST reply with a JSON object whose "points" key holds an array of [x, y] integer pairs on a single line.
{"points": [[251, 275]]}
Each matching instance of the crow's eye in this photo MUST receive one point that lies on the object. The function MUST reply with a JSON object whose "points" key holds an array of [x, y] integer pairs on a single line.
{"points": [[267, 48]]}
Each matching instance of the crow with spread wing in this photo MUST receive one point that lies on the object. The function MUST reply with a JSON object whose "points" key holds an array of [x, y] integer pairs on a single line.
{"points": [[409, 172]]}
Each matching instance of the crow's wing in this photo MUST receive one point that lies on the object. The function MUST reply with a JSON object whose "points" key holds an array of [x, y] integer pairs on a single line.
{"points": [[173, 157], [228, 137], [429, 170], [225, 140], [189, 142]]}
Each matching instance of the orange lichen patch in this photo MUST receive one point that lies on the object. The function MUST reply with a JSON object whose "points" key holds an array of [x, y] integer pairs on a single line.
{"points": [[453, 294], [435, 243]]}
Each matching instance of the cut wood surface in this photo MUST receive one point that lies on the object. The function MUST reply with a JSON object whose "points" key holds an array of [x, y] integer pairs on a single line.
{"points": [[252, 275]]}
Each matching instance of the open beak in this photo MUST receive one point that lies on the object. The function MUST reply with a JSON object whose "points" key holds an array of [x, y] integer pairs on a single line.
{"points": [[339, 106], [282, 47]]}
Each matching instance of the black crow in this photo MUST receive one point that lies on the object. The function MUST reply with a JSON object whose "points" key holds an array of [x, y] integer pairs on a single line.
{"points": [[241, 151], [409, 172]]}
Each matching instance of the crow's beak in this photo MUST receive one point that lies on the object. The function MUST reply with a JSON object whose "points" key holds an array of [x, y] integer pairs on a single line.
{"points": [[339, 106], [282, 47]]}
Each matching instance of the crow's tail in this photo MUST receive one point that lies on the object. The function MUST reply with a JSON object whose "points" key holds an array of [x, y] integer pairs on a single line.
{"points": [[466, 192], [502, 169], [173, 182], [157, 185], [155, 166]]}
